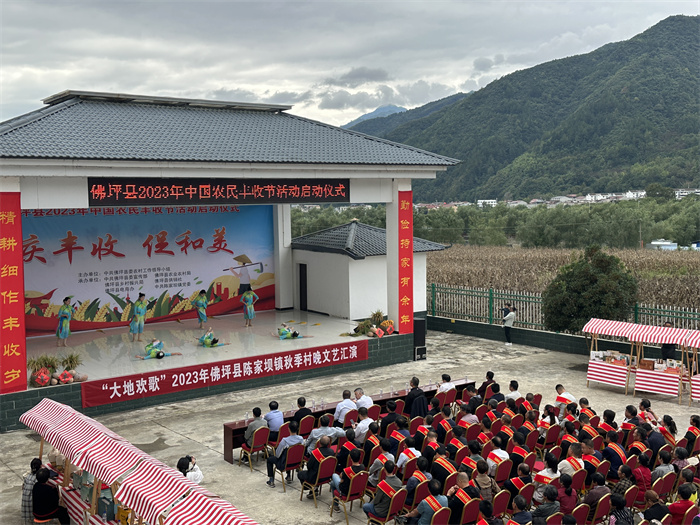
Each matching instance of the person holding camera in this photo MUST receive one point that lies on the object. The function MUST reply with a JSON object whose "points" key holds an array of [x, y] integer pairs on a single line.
{"points": [[189, 468]]}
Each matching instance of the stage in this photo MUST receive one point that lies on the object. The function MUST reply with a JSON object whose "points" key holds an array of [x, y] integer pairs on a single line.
{"points": [[111, 353]]}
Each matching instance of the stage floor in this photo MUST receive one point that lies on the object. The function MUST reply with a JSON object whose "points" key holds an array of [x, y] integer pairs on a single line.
{"points": [[110, 353]]}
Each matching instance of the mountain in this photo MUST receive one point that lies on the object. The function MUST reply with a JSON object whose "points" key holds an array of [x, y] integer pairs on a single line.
{"points": [[380, 126], [621, 117], [381, 111]]}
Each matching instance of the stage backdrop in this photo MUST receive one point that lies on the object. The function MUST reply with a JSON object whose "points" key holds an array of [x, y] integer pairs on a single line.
{"points": [[103, 257]]}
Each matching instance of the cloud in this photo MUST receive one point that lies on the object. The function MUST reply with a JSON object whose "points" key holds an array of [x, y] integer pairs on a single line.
{"points": [[483, 64], [358, 76]]}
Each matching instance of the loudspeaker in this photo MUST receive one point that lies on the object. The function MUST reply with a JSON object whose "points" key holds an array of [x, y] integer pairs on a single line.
{"points": [[419, 328], [419, 353]]}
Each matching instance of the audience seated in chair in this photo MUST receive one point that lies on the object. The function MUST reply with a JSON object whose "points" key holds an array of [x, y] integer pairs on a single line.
{"points": [[379, 506]]}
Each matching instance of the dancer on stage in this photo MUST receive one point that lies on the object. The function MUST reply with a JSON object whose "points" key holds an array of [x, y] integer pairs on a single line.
{"points": [[249, 299], [139, 317], [209, 341], [65, 314], [200, 303], [284, 332], [154, 350]]}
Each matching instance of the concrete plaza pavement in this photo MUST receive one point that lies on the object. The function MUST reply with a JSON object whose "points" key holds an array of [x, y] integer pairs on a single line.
{"points": [[170, 431]]}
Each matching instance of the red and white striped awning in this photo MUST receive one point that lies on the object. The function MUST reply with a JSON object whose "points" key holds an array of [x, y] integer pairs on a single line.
{"points": [[608, 327], [151, 489], [693, 340], [46, 414], [658, 334], [74, 435], [198, 509], [107, 459]]}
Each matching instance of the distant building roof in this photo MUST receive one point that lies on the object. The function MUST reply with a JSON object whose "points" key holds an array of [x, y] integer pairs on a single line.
{"points": [[355, 240], [107, 126]]}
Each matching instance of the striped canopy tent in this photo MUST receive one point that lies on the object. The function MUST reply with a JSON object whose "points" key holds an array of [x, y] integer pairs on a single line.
{"points": [[693, 340], [658, 335], [151, 489], [198, 509], [608, 327], [107, 459], [47, 414]]}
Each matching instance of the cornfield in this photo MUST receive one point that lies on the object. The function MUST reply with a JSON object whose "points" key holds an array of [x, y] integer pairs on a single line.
{"points": [[669, 278]]}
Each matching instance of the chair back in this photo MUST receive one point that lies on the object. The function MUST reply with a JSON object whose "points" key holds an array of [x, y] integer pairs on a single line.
{"points": [[501, 406], [500, 503], [668, 448], [537, 399], [631, 496], [441, 516], [400, 406], [481, 411], [598, 442], [488, 394], [414, 424], [461, 454], [409, 468], [530, 460], [437, 418], [595, 421], [556, 451], [632, 462], [449, 435], [472, 431], [667, 488], [503, 471], [400, 448], [397, 502], [531, 440], [581, 512], [496, 426], [422, 491], [451, 396], [682, 442], [517, 421], [602, 509], [331, 419], [260, 438], [326, 469], [603, 468], [486, 449], [552, 436], [295, 456], [358, 485], [339, 444], [374, 454], [658, 485], [470, 512], [578, 480], [450, 481], [350, 415], [306, 425], [442, 396], [527, 492], [555, 519], [390, 428], [282, 433], [374, 411], [666, 520]]}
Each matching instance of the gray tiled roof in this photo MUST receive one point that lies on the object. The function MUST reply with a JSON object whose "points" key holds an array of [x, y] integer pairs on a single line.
{"points": [[355, 240], [108, 130]]}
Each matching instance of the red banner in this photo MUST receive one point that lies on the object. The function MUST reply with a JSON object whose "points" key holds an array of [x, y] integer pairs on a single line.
{"points": [[128, 388], [13, 370], [405, 321]]}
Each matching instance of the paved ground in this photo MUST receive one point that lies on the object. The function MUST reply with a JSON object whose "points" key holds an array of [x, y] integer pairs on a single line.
{"points": [[195, 427]]}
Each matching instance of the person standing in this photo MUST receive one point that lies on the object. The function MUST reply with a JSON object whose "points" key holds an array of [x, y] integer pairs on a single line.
{"points": [[249, 299], [243, 279], [138, 317], [508, 321], [200, 303], [65, 314], [27, 486]]}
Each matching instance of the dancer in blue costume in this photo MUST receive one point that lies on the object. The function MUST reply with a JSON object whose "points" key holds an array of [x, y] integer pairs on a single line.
{"points": [[154, 350], [200, 303], [139, 317], [209, 341], [65, 314], [249, 299]]}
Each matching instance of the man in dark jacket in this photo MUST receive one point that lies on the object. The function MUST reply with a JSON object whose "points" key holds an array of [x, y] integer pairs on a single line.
{"points": [[412, 395], [45, 500], [323, 450]]}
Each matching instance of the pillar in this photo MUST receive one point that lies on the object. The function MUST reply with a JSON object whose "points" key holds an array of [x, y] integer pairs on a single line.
{"points": [[284, 266], [399, 255]]}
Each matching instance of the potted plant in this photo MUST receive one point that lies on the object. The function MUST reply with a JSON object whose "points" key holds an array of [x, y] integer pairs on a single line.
{"points": [[69, 363], [40, 375]]}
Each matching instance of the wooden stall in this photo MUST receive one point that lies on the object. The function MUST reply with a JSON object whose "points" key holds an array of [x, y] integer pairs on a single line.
{"points": [[610, 372]]}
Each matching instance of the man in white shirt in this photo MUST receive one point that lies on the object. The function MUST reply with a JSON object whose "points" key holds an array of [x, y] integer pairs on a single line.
{"points": [[408, 453], [361, 400], [343, 408], [243, 279], [498, 453], [446, 383], [513, 394], [574, 462], [362, 426], [563, 399]]}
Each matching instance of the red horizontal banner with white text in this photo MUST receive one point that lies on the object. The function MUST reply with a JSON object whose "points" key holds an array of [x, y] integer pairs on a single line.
{"points": [[137, 386]]}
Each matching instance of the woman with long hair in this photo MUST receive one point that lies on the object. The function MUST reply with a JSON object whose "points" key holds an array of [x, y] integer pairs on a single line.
{"points": [[668, 429]]}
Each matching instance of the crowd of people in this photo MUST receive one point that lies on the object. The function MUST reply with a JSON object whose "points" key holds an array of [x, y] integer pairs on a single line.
{"points": [[516, 456]]}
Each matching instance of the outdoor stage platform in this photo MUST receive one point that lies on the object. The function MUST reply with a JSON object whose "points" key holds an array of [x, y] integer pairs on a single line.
{"points": [[118, 381]]}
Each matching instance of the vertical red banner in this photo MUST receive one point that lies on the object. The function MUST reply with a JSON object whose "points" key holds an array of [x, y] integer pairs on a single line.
{"points": [[405, 320], [13, 365]]}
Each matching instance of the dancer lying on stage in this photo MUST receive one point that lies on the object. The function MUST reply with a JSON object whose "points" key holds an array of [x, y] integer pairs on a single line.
{"points": [[154, 350], [284, 332], [209, 341]]}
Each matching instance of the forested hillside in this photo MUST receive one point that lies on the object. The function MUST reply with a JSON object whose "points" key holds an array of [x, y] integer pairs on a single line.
{"points": [[621, 117]]}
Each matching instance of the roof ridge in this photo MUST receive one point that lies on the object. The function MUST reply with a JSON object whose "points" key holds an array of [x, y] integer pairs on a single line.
{"points": [[21, 121], [373, 138]]}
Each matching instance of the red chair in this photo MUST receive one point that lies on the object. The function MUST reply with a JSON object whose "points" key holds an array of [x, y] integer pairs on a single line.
{"points": [[581, 513], [390, 428], [555, 451], [529, 460], [555, 519], [486, 449], [550, 440], [374, 454], [537, 399], [356, 491], [400, 406], [408, 469], [260, 437], [631, 496], [442, 396], [331, 419], [598, 443], [461, 454], [450, 482], [500, 503], [396, 505], [281, 434], [481, 411], [531, 440], [503, 472], [413, 426], [604, 468], [294, 459], [668, 448], [526, 492], [437, 418], [472, 432], [451, 398], [501, 406], [374, 411], [666, 520], [488, 394], [496, 426], [689, 515], [449, 435], [682, 443], [602, 510], [578, 481], [422, 491], [517, 421], [632, 462], [351, 415], [441, 517], [666, 489], [470, 512], [326, 469], [306, 425]]}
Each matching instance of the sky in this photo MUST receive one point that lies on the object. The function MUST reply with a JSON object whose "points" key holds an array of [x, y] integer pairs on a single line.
{"points": [[332, 60]]}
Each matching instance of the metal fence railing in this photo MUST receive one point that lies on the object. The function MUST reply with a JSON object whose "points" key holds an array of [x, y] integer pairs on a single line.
{"points": [[485, 304]]}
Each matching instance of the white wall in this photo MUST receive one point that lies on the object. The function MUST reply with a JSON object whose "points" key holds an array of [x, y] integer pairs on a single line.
{"points": [[367, 286], [327, 282]]}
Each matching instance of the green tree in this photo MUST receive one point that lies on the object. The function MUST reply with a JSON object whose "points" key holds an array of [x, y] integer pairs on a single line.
{"points": [[595, 285], [659, 192]]}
